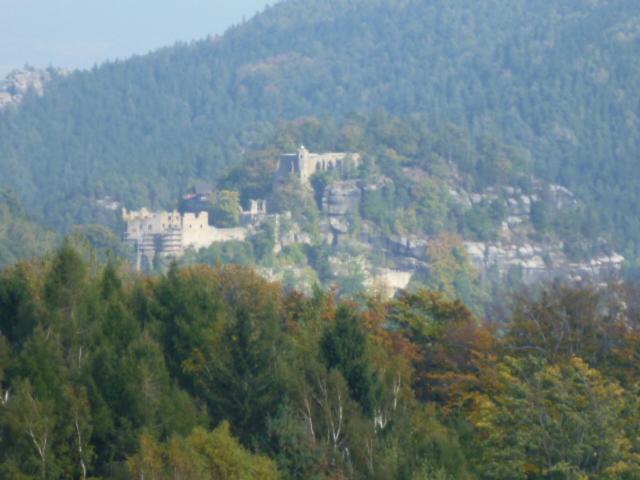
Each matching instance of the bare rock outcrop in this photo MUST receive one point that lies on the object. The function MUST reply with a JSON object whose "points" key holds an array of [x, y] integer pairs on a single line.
{"points": [[19, 83], [536, 262]]}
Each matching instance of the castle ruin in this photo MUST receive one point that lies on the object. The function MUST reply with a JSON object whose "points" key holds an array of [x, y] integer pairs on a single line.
{"points": [[303, 164], [170, 234]]}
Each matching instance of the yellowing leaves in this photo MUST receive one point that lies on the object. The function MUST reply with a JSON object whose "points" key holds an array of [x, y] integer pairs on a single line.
{"points": [[556, 419], [202, 455]]}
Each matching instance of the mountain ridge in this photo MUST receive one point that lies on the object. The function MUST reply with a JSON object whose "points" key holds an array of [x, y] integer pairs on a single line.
{"points": [[547, 78]]}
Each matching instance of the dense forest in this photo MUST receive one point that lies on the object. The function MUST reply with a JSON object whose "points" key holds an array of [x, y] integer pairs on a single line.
{"points": [[206, 369], [556, 80], [215, 373], [20, 236]]}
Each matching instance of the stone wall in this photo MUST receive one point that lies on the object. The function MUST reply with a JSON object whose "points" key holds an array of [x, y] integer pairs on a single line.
{"points": [[303, 164], [145, 222], [169, 234]]}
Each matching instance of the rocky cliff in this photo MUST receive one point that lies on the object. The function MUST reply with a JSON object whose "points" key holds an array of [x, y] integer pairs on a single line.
{"points": [[518, 249], [19, 83]]}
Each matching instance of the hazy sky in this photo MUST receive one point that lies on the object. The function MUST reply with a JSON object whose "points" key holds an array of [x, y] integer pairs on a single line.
{"points": [[80, 33]]}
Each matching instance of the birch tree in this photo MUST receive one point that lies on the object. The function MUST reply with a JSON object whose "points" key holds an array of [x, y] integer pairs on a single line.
{"points": [[78, 415], [33, 419]]}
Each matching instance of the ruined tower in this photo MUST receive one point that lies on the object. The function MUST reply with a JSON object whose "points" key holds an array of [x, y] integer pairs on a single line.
{"points": [[303, 164]]}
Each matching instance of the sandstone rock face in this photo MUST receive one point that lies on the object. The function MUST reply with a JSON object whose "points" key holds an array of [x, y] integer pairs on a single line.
{"points": [[289, 233], [409, 245], [535, 262], [388, 282], [341, 198], [19, 83], [340, 201], [516, 250], [339, 225]]}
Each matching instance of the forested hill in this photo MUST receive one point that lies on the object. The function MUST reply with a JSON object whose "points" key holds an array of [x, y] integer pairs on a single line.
{"points": [[20, 237], [558, 79], [218, 374]]}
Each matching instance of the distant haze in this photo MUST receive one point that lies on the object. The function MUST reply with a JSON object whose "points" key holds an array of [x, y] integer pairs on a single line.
{"points": [[82, 33]]}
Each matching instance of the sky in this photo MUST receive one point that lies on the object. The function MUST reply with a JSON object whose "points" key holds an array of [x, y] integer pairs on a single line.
{"points": [[82, 33]]}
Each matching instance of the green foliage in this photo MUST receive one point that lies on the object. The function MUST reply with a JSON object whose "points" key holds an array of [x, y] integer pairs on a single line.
{"points": [[216, 373], [344, 348], [234, 371], [351, 277], [540, 216], [253, 177], [293, 449], [318, 258], [100, 241], [200, 456], [65, 280], [375, 206], [20, 236], [573, 427], [289, 196], [406, 191], [18, 304], [226, 209], [483, 221], [451, 271], [142, 130], [263, 243], [319, 181], [231, 252]]}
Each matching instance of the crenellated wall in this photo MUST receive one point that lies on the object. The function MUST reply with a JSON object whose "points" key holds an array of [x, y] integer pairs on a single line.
{"points": [[169, 234]]}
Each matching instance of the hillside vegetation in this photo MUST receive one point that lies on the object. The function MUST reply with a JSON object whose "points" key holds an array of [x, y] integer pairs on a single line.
{"points": [[218, 374], [20, 237], [557, 80]]}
